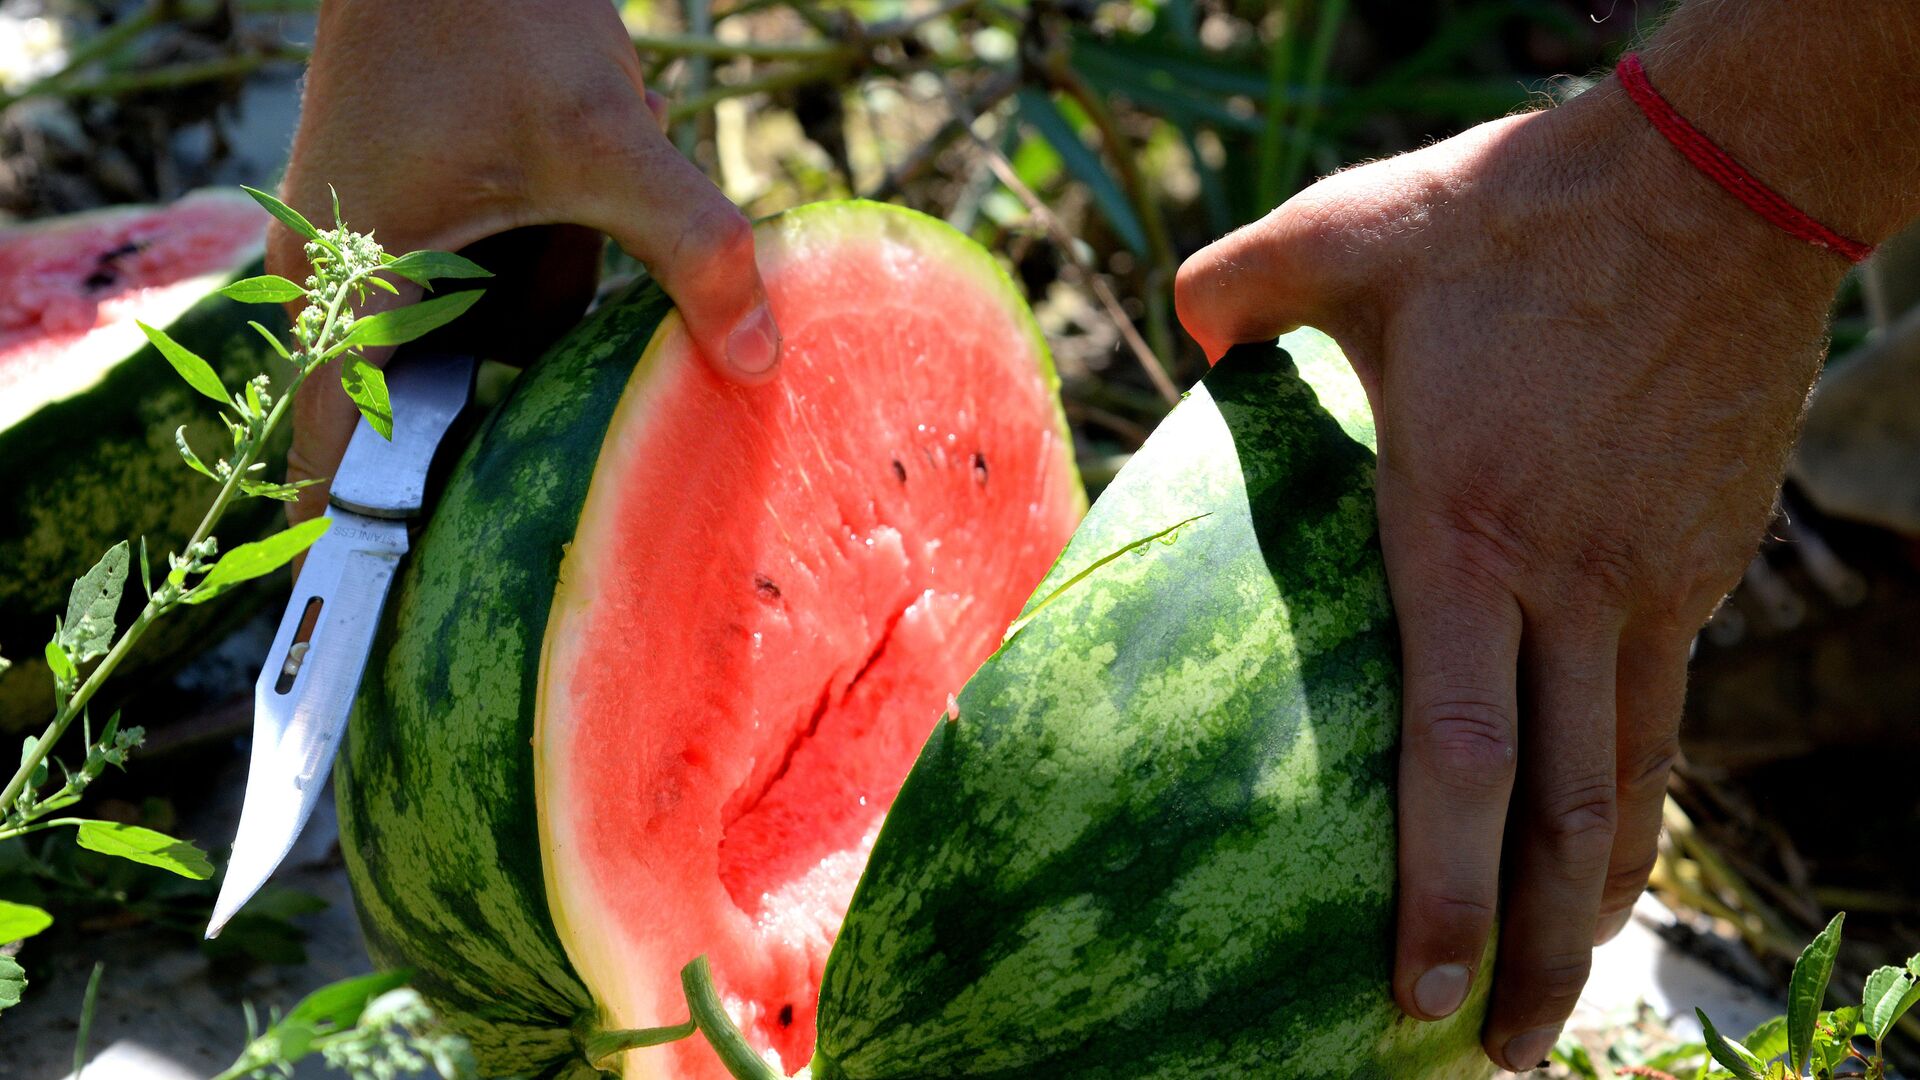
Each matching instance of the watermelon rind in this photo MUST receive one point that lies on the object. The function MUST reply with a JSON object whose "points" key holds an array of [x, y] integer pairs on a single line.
{"points": [[438, 782], [1156, 837], [87, 459]]}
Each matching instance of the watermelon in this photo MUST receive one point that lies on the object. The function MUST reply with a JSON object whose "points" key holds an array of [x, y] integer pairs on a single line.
{"points": [[88, 411], [1155, 835], [668, 645]]}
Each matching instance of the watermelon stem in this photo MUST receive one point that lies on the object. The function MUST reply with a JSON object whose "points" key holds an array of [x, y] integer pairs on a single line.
{"points": [[600, 1045], [703, 1000]]}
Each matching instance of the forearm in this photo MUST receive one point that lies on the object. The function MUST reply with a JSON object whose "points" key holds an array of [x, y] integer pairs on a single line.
{"points": [[1814, 97]]}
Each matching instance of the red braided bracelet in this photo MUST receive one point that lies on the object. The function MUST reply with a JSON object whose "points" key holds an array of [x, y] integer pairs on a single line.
{"points": [[1720, 167]]}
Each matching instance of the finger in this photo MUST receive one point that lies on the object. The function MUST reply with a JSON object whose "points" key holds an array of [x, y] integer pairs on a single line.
{"points": [[1264, 279], [1652, 683], [1460, 635], [661, 210], [1563, 825]]}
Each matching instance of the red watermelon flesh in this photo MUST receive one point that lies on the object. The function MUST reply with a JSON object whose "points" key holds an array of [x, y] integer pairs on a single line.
{"points": [[71, 287], [771, 595]]}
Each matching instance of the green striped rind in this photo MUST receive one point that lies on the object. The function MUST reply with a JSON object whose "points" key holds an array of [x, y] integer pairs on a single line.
{"points": [[81, 474], [1158, 840], [436, 780]]}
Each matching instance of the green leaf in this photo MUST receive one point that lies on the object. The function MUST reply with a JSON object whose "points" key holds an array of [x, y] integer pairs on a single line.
{"points": [[1736, 1058], [1040, 113], [145, 846], [265, 289], [13, 982], [87, 631], [287, 215], [18, 921], [187, 455], [273, 339], [1882, 993], [249, 561], [339, 1005], [1807, 991], [1768, 1040], [1833, 1038], [424, 267], [401, 325], [61, 664], [198, 373], [368, 388]]}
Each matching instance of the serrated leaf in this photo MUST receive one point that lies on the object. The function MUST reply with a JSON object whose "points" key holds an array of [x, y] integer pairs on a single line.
{"points": [[61, 664], [368, 388], [273, 339], [1768, 1040], [87, 631], [1737, 1059], [287, 215], [249, 561], [424, 267], [13, 982], [1833, 1038], [197, 372], [19, 921], [265, 289], [147, 846], [401, 325], [1889, 993], [1807, 990], [1039, 112]]}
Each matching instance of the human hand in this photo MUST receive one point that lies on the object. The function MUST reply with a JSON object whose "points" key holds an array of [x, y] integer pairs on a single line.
{"points": [[1586, 364], [441, 123]]}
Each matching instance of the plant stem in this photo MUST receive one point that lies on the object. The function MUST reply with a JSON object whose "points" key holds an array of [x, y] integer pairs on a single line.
{"points": [[601, 1045], [704, 1002], [77, 704], [164, 78], [689, 45]]}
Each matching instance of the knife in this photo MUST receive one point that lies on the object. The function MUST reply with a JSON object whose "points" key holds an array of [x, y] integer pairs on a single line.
{"points": [[306, 690]]}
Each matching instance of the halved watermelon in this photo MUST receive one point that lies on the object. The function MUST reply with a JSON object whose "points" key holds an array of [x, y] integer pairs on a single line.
{"points": [[669, 646], [88, 410]]}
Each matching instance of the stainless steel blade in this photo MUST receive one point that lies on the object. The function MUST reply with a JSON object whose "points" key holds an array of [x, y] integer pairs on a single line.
{"points": [[305, 693]]}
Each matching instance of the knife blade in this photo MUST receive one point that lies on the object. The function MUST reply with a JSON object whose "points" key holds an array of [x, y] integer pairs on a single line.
{"points": [[306, 689]]}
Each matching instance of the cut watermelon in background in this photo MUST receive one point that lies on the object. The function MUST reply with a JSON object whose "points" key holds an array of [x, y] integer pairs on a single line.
{"points": [[88, 411], [669, 646]]}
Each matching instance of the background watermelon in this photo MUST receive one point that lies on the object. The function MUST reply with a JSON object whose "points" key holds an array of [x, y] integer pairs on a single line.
{"points": [[88, 412], [1156, 838], [668, 645]]}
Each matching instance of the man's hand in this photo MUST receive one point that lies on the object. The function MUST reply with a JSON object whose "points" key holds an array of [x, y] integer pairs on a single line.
{"points": [[442, 122], [1586, 364]]}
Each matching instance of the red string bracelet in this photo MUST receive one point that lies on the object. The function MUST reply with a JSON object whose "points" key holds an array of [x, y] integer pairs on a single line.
{"points": [[1720, 167]]}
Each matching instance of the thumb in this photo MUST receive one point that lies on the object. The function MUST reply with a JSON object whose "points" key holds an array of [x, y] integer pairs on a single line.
{"points": [[696, 243], [1263, 279]]}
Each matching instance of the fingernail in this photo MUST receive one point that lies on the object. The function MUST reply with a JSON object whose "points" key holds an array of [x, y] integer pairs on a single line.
{"points": [[754, 345], [1610, 926], [1440, 991], [1529, 1050]]}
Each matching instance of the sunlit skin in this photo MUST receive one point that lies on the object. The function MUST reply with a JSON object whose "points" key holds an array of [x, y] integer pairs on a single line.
{"points": [[1586, 363], [1585, 360], [442, 122]]}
